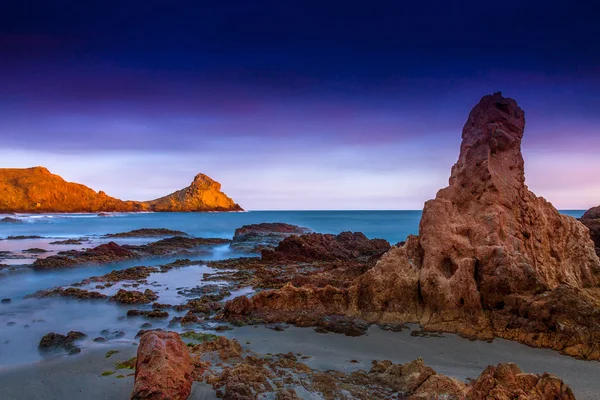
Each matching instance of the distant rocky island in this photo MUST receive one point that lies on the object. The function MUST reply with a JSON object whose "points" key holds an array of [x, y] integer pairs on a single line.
{"points": [[37, 190]]}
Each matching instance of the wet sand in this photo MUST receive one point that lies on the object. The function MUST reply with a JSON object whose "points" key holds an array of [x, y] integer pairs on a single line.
{"points": [[79, 376]]}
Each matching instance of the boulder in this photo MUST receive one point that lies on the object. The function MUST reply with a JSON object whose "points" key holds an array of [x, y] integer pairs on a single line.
{"points": [[327, 247], [9, 220], [267, 235], [54, 341], [164, 368]]}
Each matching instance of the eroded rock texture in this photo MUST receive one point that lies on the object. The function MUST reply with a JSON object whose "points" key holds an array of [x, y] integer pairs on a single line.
{"points": [[164, 368], [238, 374], [491, 258], [326, 247]]}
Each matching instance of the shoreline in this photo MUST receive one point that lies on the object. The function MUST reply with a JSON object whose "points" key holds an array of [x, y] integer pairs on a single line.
{"points": [[72, 376]]}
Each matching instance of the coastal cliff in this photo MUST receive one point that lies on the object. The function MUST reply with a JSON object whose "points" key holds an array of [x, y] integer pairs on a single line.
{"points": [[37, 190]]}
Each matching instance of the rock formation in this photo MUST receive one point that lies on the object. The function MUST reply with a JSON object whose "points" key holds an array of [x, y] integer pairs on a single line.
{"points": [[491, 258], [326, 247], [591, 219], [238, 374], [34, 190], [265, 236], [104, 253], [203, 194], [164, 368], [489, 252]]}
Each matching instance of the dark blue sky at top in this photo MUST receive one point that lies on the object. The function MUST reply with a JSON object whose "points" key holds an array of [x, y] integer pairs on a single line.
{"points": [[294, 86], [357, 41]]}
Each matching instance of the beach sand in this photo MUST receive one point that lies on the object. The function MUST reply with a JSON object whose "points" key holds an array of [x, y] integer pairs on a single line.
{"points": [[79, 376]]}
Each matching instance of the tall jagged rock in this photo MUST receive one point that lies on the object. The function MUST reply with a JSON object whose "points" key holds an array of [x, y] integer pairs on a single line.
{"points": [[35, 190], [204, 194], [489, 251]]}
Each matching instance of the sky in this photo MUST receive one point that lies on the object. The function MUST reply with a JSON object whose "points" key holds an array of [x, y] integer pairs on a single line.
{"points": [[295, 104]]}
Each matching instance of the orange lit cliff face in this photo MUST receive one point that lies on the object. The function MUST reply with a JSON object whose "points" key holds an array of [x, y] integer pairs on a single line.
{"points": [[35, 189]]}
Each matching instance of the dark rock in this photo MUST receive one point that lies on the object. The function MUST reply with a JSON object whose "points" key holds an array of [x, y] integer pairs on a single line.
{"points": [[147, 232], [9, 220], [148, 314], [326, 247], [35, 250], [74, 350], [177, 244], [70, 241], [256, 237], [53, 341], [104, 253], [134, 297]]}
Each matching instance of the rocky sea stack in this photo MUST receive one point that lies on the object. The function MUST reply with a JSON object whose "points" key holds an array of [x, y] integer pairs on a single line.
{"points": [[490, 255], [491, 259], [36, 190], [204, 194]]}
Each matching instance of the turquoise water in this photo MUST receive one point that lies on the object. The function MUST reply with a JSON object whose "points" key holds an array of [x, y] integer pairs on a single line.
{"points": [[393, 226]]}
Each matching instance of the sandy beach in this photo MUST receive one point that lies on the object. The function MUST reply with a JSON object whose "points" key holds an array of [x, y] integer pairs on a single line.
{"points": [[80, 376]]}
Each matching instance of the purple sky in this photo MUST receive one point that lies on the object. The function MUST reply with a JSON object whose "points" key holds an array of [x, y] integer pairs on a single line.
{"points": [[323, 122]]}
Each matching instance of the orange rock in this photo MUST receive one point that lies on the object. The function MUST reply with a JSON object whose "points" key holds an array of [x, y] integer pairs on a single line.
{"points": [[164, 368], [488, 248], [507, 381], [204, 194], [37, 190]]}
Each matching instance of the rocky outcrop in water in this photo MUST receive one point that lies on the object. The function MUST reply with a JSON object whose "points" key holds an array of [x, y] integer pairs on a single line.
{"points": [[164, 368], [36, 190], [491, 258], [264, 236], [204, 194], [54, 341], [112, 252], [591, 219], [9, 220], [146, 232], [134, 296], [327, 247], [103, 253]]}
